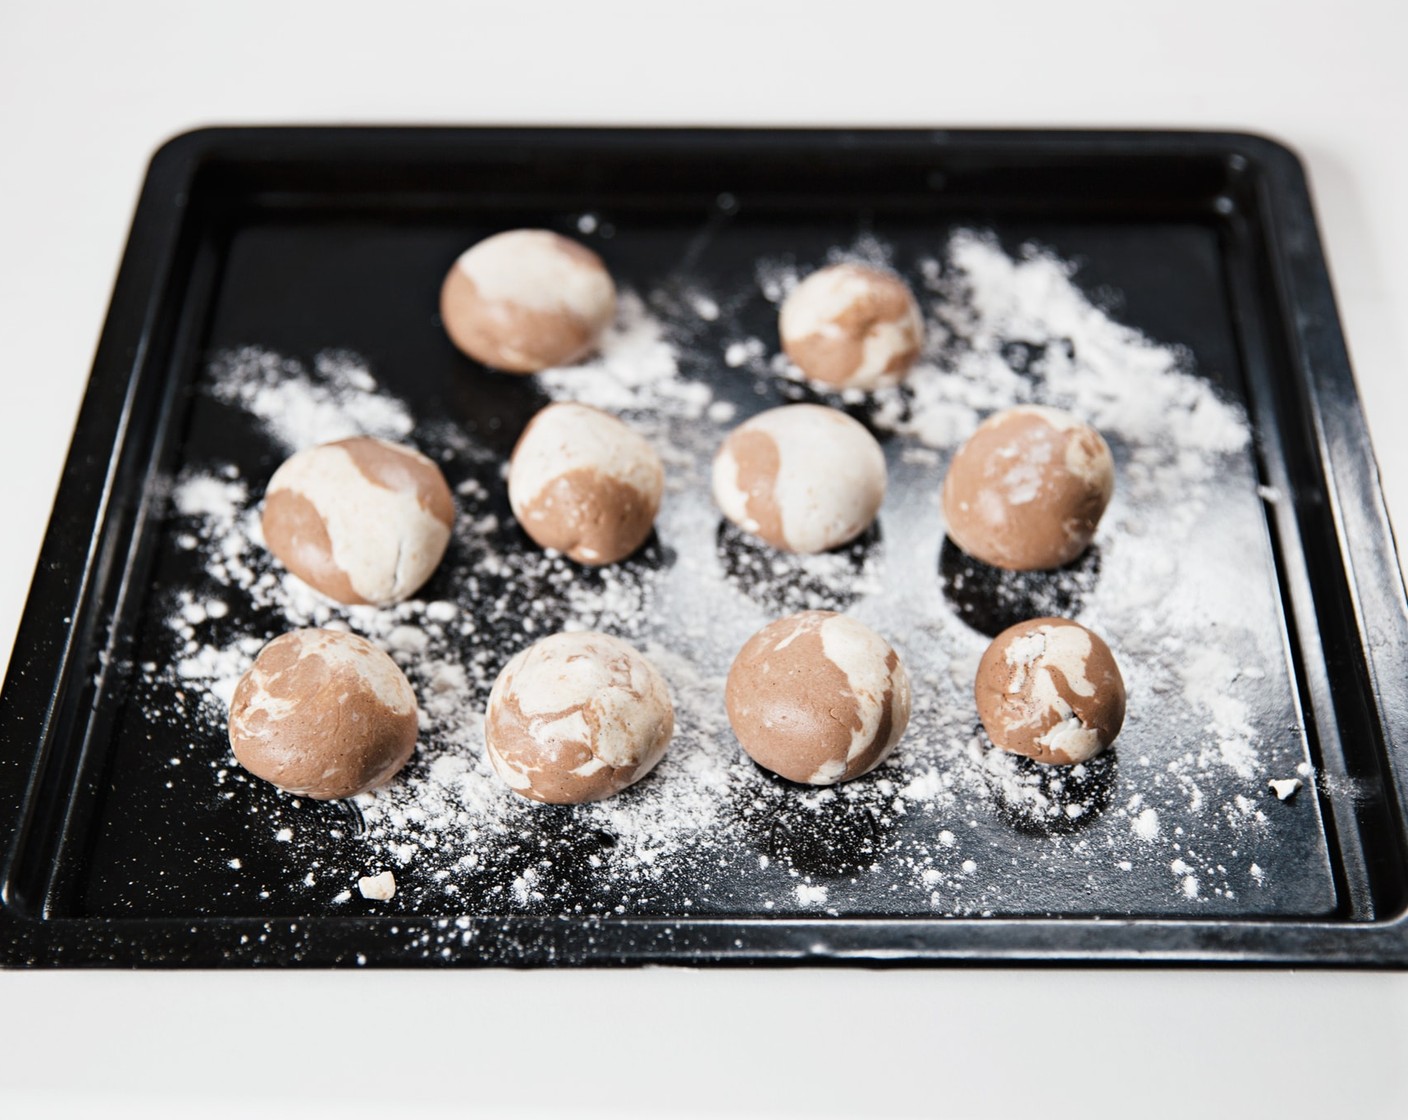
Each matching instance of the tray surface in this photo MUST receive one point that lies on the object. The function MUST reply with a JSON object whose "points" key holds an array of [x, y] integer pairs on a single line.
{"points": [[301, 306]]}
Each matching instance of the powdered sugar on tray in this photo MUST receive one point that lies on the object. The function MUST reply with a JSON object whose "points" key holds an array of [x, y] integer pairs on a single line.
{"points": [[338, 400], [636, 372], [948, 825]]}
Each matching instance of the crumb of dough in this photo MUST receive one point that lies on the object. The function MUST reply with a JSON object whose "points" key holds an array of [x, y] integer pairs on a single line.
{"points": [[379, 887], [1285, 788]]}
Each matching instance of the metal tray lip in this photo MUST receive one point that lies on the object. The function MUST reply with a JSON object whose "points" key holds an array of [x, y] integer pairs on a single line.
{"points": [[576, 941], [196, 143], [82, 495], [45, 636], [1365, 533]]}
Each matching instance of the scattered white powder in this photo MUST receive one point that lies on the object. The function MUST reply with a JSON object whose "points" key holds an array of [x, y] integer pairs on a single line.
{"points": [[337, 402], [948, 824], [721, 412], [635, 372], [522, 888], [1104, 371], [705, 307], [743, 352], [1209, 675], [216, 499], [925, 787]]}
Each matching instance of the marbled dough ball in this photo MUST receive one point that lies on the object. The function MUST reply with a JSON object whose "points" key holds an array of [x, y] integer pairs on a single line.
{"points": [[802, 477], [850, 326], [817, 697], [1027, 490], [361, 520], [527, 299], [577, 717], [1050, 689], [323, 714], [584, 483]]}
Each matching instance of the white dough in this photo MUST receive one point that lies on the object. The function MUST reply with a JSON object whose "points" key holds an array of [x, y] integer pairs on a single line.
{"points": [[567, 687], [861, 654], [384, 540], [378, 887], [1067, 650], [884, 341], [728, 491], [337, 650], [830, 479], [566, 437], [529, 268], [815, 308], [1071, 736], [815, 304]]}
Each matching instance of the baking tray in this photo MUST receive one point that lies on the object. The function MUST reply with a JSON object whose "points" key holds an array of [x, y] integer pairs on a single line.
{"points": [[266, 257]]}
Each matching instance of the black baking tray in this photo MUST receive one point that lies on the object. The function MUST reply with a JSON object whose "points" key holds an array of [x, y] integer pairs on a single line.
{"points": [[305, 238]]}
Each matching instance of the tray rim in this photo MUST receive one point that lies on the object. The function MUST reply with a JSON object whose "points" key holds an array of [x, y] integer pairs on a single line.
{"points": [[46, 639]]}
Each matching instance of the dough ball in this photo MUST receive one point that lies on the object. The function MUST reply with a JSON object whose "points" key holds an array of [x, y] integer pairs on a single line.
{"points": [[323, 713], [817, 697], [527, 299], [802, 477], [361, 520], [1028, 489], [582, 482], [852, 327], [577, 717], [1050, 689]]}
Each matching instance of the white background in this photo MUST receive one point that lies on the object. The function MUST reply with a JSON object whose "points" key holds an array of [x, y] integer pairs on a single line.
{"points": [[88, 91]]}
